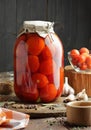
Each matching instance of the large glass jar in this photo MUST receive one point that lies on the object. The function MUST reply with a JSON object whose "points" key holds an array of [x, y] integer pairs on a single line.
{"points": [[38, 63]]}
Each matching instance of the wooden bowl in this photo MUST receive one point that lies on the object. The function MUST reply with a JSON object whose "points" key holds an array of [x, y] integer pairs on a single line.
{"points": [[79, 113]]}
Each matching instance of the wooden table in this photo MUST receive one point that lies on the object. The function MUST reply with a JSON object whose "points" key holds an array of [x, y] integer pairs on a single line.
{"points": [[46, 116], [59, 123]]}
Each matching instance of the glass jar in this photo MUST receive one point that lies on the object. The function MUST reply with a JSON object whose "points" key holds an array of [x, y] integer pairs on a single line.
{"points": [[38, 63]]}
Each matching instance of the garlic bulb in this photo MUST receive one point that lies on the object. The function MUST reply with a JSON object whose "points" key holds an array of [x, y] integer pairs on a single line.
{"points": [[82, 95], [67, 89]]}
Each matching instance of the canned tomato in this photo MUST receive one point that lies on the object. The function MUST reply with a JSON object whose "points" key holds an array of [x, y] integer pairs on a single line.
{"points": [[38, 63]]}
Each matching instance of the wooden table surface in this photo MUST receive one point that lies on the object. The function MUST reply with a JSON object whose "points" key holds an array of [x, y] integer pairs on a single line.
{"points": [[58, 123], [44, 118]]}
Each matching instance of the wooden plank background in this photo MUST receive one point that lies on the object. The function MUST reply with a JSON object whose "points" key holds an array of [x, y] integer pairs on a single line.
{"points": [[72, 23]]}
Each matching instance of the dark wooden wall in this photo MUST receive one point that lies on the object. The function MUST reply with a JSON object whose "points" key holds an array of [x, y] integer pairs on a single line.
{"points": [[72, 23]]}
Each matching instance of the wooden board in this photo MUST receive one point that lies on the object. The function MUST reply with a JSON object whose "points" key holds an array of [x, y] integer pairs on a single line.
{"points": [[78, 80], [40, 110]]}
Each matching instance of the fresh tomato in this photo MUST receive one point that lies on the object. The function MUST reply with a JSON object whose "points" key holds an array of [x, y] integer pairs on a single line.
{"points": [[84, 50], [74, 52], [83, 66], [85, 54], [88, 61], [75, 60], [81, 59], [89, 66]]}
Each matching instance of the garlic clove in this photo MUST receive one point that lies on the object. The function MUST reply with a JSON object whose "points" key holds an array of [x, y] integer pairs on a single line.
{"points": [[82, 96]]}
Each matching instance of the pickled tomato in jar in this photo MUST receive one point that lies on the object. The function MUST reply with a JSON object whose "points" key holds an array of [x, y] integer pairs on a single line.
{"points": [[38, 63]]}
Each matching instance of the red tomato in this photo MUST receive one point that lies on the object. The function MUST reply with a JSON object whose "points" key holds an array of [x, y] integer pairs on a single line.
{"points": [[46, 53], [40, 80], [81, 59], [47, 67], [85, 54], [50, 78], [30, 93], [75, 60], [88, 61], [83, 66], [74, 53], [84, 50], [33, 62], [25, 89], [35, 44], [89, 66], [48, 93]]}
